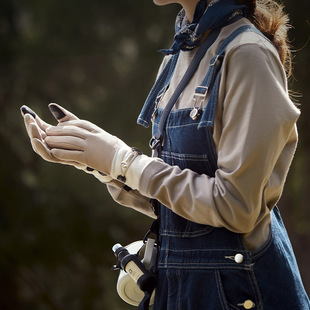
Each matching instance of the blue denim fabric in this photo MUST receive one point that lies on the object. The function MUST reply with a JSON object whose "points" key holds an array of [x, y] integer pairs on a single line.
{"points": [[196, 263], [196, 266]]}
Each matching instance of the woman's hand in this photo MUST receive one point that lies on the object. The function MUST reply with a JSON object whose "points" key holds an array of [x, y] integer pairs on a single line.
{"points": [[82, 142], [85, 143], [36, 129]]}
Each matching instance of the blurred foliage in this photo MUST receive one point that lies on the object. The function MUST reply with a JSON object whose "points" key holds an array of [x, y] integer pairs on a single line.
{"points": [[99, 60]]}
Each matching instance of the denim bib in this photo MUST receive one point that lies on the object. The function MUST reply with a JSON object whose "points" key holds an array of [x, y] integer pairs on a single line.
{"points": [[208, 268]]}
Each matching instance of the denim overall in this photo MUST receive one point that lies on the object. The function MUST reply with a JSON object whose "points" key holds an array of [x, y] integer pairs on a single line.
{"points": [[206, 268]]}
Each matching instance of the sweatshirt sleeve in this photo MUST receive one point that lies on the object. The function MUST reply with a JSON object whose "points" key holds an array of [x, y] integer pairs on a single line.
{"points": [[130, 198], [255, 149]]}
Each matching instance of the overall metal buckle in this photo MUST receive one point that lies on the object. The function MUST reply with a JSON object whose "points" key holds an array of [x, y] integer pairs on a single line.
{"points": [[154, 143]]}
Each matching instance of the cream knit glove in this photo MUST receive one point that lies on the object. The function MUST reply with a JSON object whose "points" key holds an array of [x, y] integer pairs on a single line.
{"points": [[87, 144], [36, 129]]}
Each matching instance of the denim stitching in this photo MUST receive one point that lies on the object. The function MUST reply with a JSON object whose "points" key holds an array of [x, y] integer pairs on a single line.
{"points": [[142, 122], [180, 156], [181, 126], [220, 289], [255, 289], [188, 234], [205, 266], [179, 290], [261, 251], [205, 250]]}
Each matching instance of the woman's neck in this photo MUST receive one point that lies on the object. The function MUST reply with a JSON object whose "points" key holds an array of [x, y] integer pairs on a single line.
{"points": [[189, 8]]}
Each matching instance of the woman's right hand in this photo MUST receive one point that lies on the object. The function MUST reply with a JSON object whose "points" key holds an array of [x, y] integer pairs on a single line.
{"points": [[36, 127]]}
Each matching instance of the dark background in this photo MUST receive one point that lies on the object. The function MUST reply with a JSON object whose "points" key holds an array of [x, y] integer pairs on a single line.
{"points": [[99, 60]]}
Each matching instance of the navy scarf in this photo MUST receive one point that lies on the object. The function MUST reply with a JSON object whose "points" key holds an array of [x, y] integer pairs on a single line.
{"points": [[206, 17]]}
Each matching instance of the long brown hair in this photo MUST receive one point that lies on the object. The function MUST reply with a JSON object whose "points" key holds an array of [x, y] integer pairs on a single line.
{"points": [[269, 17]]}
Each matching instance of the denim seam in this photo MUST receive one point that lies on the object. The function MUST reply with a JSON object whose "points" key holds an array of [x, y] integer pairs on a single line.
{"points": [[207, 250], [143, 122], [186, 156], [261, 251], [179, 290], [180, 110], [186, 235], [203, 266], [172, 233], [255, 289], [180, 126], [220, 290], [187, 159]]}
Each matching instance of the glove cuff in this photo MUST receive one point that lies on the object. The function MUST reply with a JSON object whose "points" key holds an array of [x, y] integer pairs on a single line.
{"points": [[122, 161], [128, 166]]}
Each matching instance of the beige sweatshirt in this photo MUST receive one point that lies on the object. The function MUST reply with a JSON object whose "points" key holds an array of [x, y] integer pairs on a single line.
{"points": [[255, 137]]}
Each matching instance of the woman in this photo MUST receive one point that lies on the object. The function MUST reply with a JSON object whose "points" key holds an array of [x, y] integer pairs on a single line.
{"points": [[222, 241]]}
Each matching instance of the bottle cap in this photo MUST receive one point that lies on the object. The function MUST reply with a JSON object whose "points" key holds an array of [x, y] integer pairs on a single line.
{"points": [[116, 247]]}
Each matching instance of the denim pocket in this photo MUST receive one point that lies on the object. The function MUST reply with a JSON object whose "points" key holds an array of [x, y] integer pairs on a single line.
{"points": [[238, 289], [187, 290], [211, 289]]}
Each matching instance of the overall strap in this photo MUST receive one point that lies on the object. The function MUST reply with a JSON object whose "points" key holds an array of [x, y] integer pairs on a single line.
{"points": [[157, 140], [211, 80], [157, 90], [211, 83]]}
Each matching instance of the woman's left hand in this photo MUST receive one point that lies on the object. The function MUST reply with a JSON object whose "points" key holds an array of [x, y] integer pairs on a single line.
{"points": [[83, 142]]}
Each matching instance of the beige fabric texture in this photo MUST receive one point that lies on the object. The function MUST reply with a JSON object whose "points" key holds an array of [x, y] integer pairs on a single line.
{"points": [[255, 136]]}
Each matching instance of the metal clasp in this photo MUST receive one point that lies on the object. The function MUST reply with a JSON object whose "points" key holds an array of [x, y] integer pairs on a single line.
{"points": [[154, 143], [157, 101], [200, 92], [214, 60]]}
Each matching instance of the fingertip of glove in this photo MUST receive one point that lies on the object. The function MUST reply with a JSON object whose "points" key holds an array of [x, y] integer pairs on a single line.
{"points": [[26, 110], [56, 111]]}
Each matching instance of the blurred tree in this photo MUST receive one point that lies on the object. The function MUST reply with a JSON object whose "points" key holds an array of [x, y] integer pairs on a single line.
{"points": [[58, 224], [98, 59]]}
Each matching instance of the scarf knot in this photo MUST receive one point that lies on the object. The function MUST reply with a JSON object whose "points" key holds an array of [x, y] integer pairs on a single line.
{"points": [[206, 17]]}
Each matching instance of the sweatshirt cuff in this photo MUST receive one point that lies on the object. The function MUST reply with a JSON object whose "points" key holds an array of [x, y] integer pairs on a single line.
{"points": [[135, 170]]}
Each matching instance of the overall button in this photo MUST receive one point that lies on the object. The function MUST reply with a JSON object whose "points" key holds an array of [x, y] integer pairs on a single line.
{"points": [[239, 259], [248, 304]]}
